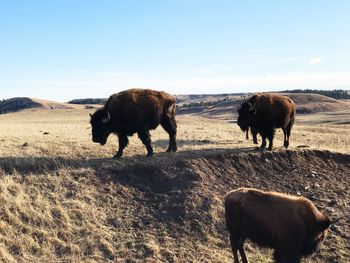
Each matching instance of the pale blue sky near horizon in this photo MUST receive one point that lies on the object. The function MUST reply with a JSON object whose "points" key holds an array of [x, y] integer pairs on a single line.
{"points": [[66, 49]]}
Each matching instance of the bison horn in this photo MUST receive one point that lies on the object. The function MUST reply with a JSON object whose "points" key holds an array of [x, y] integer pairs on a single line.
{"points": [[106, 120], [90, 115]]}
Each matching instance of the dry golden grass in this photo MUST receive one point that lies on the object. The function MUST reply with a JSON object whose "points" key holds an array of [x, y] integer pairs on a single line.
{"points": [[23, 134], [56, 208]]}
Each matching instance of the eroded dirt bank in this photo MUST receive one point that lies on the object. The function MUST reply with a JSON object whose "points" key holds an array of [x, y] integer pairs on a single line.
{"points": [[165, 209]]}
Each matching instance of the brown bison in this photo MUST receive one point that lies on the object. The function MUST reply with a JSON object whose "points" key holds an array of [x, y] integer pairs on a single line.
{"points": [[289, 224], [266, 112], [135, 111]]}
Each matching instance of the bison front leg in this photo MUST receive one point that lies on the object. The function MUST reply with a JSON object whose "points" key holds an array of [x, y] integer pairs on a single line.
{"points": [[263, 143], [254, 133], [172, 144], [255, 137], [145, 137], [123, 142], [270, 143]]}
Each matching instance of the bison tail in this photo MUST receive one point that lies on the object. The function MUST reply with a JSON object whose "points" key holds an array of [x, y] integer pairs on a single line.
{"points": [[170, 107], [228, 217], [291, 120], [233, 209], [292, 115]]}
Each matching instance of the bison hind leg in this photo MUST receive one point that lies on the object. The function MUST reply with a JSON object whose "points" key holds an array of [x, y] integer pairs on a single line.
{"points": [[254, 133], [286, 138], [169, 125], [270, 136], [237, 245], [287, 133], [242, 253], [145, 137]]}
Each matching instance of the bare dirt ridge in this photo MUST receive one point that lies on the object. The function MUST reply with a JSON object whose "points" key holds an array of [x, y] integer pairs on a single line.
{"points": [[168, 208]]}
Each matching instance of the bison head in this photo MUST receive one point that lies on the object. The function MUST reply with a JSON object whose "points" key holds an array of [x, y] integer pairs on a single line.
{"points": [[246, 114], [317, 236], [99, 124]]}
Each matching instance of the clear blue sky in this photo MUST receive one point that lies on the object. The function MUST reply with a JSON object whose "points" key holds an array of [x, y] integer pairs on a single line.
{"points": [[65, 49]]}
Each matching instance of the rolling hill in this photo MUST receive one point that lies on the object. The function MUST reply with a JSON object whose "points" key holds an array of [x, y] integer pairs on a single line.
{"points": [[306, 103], [24, 103], [223, 105]]}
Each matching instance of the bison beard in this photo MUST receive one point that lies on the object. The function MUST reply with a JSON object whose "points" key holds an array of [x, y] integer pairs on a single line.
{"points": [[264, 113], [135, 111], [291, 225]]}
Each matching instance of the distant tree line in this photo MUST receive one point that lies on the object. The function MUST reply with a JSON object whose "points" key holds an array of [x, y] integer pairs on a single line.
{"points": [[336, 93], [88, 101], [16, 104], [202, 103]]}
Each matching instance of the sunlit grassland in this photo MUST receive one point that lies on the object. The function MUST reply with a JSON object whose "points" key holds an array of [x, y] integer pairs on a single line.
{"points": [[56, 207], [68, 133]]}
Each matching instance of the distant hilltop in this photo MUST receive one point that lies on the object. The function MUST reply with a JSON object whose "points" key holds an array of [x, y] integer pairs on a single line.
{"points": [[335, 94], [25, 103], [226, 107], [17, 104], [307, 101], [100, 101], [180, 99]]}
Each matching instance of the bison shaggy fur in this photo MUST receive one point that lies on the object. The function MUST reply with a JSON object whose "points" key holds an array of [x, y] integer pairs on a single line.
{"points": [[263, 113], [291, 225], [135, 111]]}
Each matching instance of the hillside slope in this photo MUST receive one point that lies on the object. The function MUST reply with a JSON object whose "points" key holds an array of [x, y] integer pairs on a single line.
{"points": [[312, 103], [162, 209], [24, 103], [305, 103]]}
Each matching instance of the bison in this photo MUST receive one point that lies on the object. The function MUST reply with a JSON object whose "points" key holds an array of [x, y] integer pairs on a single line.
{"points": [[289, 224], [266, 112], [135, 111]]}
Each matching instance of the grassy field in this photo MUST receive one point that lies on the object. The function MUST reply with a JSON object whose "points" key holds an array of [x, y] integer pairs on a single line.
{"points": [[64, 200], [68, 133]]}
